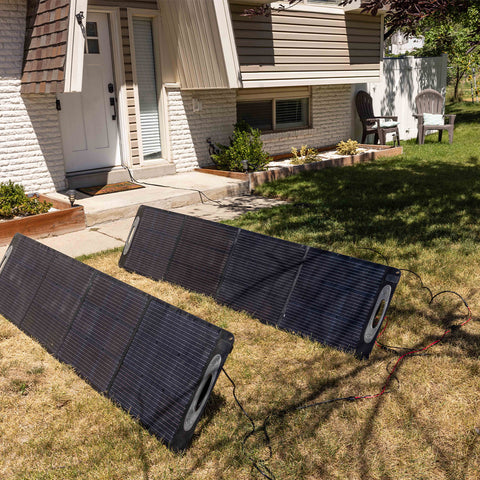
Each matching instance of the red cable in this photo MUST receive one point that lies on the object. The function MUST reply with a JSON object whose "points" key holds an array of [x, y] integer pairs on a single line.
{"points": [[445, 333], [381, 333]]}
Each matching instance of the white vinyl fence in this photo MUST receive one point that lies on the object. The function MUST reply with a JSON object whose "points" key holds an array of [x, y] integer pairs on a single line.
{"points": [[403, 78]]}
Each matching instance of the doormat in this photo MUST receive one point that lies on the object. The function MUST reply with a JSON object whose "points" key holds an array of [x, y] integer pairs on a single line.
{"points": [[110, 188]]}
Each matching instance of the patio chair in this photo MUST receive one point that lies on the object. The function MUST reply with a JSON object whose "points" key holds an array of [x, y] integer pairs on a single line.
{"points": [[430, 115], [378, 125]]}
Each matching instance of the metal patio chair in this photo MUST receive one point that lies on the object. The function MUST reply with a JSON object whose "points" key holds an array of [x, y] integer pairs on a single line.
{"points": [[430, 115], [378, 125]]}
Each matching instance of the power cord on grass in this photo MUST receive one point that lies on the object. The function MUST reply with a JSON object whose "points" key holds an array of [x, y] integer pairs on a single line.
{"points": [[260, 465]]}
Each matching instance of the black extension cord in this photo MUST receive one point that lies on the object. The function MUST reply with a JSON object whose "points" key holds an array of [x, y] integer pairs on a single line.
{"points": [[260, 465]]}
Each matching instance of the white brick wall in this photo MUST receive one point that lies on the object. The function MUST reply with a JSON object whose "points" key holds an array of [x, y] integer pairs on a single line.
{"points": [[189, 130], [331, 122], [30, 143]]}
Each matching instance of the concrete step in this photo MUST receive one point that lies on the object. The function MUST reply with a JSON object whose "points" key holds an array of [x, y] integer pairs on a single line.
{"points": [[172, 191], [92, 178]]}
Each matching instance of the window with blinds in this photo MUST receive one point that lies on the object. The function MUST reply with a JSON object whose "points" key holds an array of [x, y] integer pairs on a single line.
{"points": [[291, 113], [275, 114], [147, 88]]}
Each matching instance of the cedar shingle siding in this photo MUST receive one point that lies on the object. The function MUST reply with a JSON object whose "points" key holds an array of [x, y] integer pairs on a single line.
{"points": [[45, 46]]}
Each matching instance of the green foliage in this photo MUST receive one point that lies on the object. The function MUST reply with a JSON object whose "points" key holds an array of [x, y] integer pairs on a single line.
{"points": [[15, 203], [458, 37], [245, 151], [306, 155], [350, 147]]}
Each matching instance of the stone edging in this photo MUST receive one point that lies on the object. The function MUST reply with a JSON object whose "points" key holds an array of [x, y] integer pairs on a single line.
{"points": [[275, 173]]}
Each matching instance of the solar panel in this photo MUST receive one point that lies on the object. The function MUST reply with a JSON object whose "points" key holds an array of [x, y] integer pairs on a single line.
{"points": [[156, 232], [334, 299], [260, 275], [202, 250], [332, 293], [157, 361]]}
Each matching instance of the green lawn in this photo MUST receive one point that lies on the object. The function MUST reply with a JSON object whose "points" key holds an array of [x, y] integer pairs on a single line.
{"points": [[418, 211]]}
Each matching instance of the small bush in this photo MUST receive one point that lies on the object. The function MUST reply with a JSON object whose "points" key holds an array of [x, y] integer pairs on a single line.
{"points": [[15, 203], [245, 151], [350, 147], [306, 155]]}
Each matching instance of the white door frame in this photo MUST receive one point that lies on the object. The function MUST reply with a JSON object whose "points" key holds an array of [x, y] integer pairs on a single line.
{"points": [[113, 15]]}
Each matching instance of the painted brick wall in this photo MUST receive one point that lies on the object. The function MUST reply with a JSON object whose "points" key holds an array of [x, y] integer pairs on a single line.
{"points": [[331, 123], [189, 130], [30, 143]]}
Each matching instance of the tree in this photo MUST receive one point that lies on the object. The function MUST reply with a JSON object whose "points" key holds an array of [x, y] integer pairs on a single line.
{"points": [[457, 36], [410, 14]]}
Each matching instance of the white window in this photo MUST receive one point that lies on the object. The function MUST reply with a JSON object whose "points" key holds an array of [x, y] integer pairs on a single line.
{"points": [[275, 109]]}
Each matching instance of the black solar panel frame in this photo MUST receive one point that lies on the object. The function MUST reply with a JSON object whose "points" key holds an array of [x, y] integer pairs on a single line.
{"points": [[73, 335], [358, 344]]}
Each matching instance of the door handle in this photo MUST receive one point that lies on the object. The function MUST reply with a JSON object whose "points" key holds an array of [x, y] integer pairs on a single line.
{"points": [[113, 104]]}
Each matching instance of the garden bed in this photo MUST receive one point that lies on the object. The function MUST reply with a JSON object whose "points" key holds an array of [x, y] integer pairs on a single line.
{"points": [[277, 171], [62, 219]]}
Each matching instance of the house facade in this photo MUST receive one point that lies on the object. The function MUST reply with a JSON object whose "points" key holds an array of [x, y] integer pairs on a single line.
{"points": [[89, 87]]}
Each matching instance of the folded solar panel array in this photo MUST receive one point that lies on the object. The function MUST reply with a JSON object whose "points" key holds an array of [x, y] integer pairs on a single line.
{"points": [[157, 361], [334, 299]]}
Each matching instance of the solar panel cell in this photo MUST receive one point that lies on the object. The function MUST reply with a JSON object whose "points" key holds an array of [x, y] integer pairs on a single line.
{"points": [[20, 278], [57, 301], [260, 275], [154, 233], [102, 330], [163, 368], [200, 257]]}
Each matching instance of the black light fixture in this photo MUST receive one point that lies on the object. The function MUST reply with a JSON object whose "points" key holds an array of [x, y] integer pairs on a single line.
{"points": [[80, 16], [72, 196]]}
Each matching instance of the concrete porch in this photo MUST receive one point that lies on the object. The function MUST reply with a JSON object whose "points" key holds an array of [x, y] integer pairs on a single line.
{"points": [[170, 191]]}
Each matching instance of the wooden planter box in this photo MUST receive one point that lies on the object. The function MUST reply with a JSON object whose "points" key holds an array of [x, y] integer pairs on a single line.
{"points": [[275, 173], [65, 219]]}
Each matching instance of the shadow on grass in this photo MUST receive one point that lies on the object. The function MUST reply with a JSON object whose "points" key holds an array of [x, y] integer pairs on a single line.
{"points": [[410, 202], [466, 112]]}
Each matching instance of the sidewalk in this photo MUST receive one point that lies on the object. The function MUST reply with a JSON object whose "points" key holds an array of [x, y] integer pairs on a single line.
{"points": [[168, 192], [108, 235]]}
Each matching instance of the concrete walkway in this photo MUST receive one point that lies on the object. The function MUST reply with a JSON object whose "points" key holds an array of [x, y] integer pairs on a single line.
{"points": [[112, 234], [168, 192]]}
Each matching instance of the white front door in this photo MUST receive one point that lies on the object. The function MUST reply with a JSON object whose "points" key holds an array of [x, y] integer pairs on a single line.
{"points": [[88, 119]]}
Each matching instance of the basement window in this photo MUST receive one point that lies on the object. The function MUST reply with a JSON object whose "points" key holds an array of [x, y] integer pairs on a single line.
{"points": [[275, 114]]}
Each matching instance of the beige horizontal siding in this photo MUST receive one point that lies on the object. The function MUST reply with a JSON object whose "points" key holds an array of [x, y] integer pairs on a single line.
{"points": [[150, 4], [253, 94], [313, 47]]}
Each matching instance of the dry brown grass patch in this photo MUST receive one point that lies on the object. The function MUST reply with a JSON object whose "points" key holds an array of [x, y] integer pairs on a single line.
{"points": [[53, 425]]}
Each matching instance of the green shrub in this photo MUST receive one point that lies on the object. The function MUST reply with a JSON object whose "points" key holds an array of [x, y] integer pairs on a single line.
{"points": [[306, 155], [245, 151], [15, 203], [350, 147]]}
